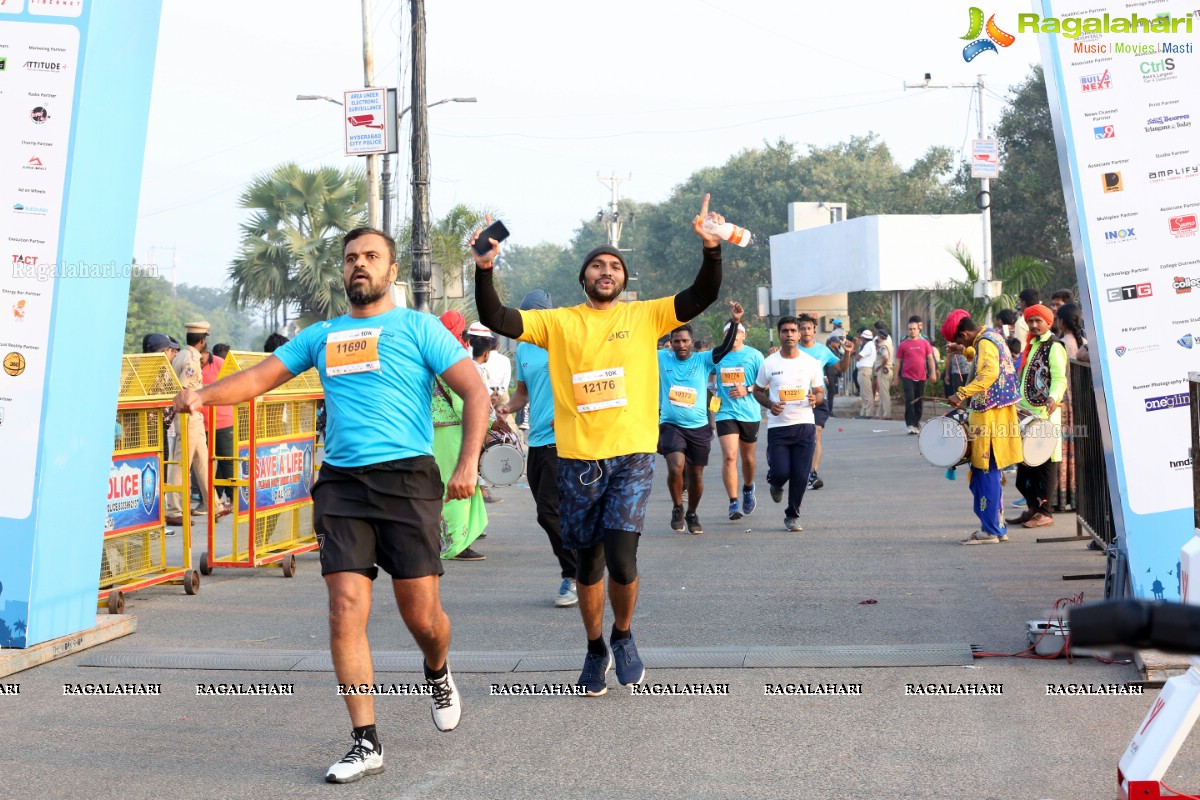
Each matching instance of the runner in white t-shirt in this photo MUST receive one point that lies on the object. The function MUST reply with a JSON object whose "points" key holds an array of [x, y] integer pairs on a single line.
{"points": [[790, 384]]}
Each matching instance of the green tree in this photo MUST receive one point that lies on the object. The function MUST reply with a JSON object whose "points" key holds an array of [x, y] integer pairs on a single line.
{"points": [[1017, 273], [290, 258], [448, 246]]}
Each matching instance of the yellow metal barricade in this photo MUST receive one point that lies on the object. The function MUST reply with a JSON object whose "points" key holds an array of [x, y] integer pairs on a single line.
{"points": [[275, 458], [135, 545]]}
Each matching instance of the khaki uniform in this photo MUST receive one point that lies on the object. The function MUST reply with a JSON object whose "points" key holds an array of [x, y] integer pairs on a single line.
{"points": [[885, 368], [187, 368]]}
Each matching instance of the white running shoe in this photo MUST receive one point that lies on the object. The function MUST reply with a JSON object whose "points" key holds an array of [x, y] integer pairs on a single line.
{"points": [[363, 759], [447, 702]]}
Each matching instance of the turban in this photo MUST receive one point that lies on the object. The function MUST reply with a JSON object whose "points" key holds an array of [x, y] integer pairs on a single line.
{"points": [[950, 326], [454, 323], [1037, 310]]}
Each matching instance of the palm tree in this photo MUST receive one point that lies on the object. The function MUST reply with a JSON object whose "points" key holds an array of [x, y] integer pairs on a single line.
{"points": [[290, 257], [448, 239], [1017, 273]]}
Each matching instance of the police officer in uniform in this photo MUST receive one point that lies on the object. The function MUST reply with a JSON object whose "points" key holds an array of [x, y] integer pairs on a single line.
{"points": [[187, 369]]}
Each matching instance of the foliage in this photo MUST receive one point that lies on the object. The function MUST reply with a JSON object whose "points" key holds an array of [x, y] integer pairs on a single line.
{"points": [[290, 257], [1028, 210], [1017, 273], [154, 308], [448, 246]]}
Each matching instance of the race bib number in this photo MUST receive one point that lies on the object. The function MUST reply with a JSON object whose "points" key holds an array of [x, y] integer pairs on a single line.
{"points": [[733, 376], [791, 394], [604, 388], [347, 352], [682, 396]]}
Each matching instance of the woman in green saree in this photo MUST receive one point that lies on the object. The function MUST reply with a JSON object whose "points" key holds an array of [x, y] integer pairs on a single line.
{"points": [[463, 521]]}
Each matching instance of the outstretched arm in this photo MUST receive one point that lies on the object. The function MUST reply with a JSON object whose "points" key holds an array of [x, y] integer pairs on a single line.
{"points": [[239, 387]]}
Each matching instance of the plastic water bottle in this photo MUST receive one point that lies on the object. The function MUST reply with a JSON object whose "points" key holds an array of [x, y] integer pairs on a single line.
{"points": [[729, 232]]}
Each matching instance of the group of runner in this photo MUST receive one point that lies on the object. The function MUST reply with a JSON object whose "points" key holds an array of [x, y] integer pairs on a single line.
{"points": [[378, 497]]}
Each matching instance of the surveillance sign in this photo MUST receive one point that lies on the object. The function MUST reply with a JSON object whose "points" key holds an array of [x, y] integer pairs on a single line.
{"points": [[370, 122]]}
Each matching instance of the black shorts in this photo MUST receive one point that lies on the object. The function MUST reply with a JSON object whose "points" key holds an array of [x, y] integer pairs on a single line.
{"points": [[746, 431], [821, 413], [694, 443], [384, 514]]}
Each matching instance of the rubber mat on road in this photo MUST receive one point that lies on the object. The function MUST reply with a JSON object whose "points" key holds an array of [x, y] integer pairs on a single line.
{"points": [[836, 656]]}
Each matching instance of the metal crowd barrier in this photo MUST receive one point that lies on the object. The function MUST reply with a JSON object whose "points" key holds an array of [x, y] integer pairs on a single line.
{"points": [[135, 545], [276, 460], [1093, 504]]}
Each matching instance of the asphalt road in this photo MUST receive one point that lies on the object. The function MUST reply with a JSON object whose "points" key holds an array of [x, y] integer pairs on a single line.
{"points": [[884, 528]]}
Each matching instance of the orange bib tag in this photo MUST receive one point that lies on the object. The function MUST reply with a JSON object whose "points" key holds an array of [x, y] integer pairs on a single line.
{"points": [[603, 388], [347, 352], [733, 376], [791, 394], [682, 396]]}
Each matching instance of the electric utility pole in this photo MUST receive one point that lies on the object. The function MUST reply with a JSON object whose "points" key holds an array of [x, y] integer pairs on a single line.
{"points": [[422, 266], [984, 199]]}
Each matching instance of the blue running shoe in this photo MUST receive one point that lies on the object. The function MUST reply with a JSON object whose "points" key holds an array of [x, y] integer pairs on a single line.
{"points": [[1018, 503], [734, 511], [748, 501], [595, 667], [630, 669]]}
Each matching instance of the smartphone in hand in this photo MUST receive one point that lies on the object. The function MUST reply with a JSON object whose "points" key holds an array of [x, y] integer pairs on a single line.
{"points": [[495, 231]]}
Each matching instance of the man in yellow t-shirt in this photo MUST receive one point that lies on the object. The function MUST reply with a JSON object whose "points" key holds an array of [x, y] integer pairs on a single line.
{"points": [[604, 375]]}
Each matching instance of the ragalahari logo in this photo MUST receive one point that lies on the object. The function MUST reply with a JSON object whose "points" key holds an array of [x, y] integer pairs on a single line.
{"points": [[995, 36]]}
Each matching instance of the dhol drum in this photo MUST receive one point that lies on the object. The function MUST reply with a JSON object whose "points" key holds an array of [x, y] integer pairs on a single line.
{"points": [[502, 463], [945, 441], [1039, 438]]}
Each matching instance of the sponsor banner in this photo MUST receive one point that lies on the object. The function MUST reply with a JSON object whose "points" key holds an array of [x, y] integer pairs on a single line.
{"points": [[1129, 169], [75, 81], [283, 474], [134, 489]]}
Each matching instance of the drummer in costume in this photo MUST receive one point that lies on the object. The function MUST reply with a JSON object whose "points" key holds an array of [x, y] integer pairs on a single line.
{"points": [[1043, 384], [991, 398]]}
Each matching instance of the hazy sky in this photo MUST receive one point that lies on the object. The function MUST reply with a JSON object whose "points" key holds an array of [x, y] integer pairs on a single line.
{"points": [[653, 89]]}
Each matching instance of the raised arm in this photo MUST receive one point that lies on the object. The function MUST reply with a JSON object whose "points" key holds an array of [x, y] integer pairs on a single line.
{"points": [[735, 320], [492, 312], [704, 289]]}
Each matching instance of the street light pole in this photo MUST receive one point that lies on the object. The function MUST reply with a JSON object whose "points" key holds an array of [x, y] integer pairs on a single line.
{"points": [[373, 216]]}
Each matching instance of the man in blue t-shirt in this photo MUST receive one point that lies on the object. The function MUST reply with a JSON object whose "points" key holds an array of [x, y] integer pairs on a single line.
{"points": [[541, 468], [809, 344], [738, 420], [684, 437], [378, 500]]}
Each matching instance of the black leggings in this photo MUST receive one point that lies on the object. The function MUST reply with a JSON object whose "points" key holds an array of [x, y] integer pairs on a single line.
{"points": [[618, 550], [913, 390]]}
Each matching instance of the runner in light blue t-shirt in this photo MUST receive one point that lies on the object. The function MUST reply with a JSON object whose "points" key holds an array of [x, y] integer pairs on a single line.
{"points": [[541, 467], [684, 435], [396, 422], [378, 500], [738, 420], [810, 345]]}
